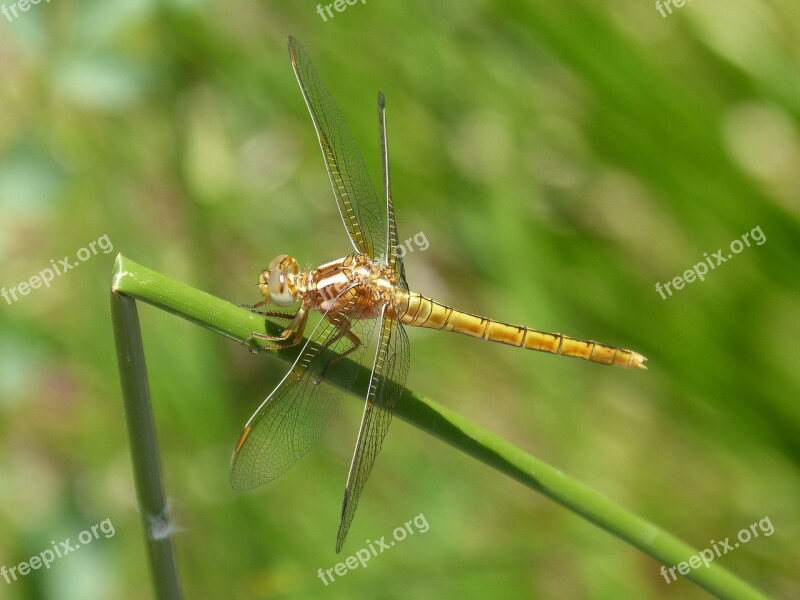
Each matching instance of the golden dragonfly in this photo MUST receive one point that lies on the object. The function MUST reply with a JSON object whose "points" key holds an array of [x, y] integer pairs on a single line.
{"points": [[360, 296]]}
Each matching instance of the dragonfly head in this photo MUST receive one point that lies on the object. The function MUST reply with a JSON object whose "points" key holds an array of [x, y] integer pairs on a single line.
{"points": [[277, 282]]}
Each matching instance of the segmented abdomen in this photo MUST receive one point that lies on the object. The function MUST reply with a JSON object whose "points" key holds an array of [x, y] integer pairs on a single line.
{"points": [[416, 310]]}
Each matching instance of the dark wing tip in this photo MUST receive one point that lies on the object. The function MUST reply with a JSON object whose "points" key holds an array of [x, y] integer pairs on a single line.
{"points": [[238, 481], [344, 523], [381, 100], [340, 538]]}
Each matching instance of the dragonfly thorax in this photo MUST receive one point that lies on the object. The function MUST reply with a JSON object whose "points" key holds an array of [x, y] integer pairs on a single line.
{"points": [[353, 280]]}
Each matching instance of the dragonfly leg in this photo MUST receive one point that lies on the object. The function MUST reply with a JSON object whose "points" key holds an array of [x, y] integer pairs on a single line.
{"points": [[294, 330], [267, 313], [301, 327], [275, 315], [253, 307], [344, 331]]}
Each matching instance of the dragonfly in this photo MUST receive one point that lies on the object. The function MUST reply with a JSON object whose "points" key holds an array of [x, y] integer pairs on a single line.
{"points": [[365, 302]]}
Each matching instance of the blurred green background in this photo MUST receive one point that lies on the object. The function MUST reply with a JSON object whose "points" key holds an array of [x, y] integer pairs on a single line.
{"points": [[561, 160]]}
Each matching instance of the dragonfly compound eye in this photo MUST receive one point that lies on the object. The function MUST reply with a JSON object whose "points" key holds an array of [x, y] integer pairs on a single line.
{"points": [[281, 288], [286, 263]]}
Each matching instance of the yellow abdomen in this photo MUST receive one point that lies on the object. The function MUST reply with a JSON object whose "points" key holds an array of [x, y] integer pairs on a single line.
{"points": [[416, 310]]}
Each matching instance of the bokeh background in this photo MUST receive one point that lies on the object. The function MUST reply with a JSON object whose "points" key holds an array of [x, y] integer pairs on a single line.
{"points": [[560, 160]]}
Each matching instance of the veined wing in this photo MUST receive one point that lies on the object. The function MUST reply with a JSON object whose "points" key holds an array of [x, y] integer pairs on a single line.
{"points": [[394, 261], [389, 372], [296, 414], [363, 215]]}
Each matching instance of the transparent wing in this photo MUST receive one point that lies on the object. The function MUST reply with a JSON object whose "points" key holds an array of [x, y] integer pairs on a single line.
{"points": [[363, 215], [394, 261], [386, 384], [296, 414]]}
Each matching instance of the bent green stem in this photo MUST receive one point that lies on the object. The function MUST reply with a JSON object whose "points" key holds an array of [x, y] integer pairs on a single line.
{"points": [[138, 282], [144, 448]]}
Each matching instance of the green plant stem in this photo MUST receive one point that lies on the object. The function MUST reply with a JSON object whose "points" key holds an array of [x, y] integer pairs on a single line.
{"points": [[144, 448], [237, 323]]}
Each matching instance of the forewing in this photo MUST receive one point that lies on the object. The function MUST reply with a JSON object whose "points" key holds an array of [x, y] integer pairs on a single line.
{"points": [[296, 414], [389, 373], [394, 261], [363, 215]]}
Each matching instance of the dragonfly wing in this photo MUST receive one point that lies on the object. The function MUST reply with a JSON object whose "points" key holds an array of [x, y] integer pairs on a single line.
{"points": [[296, 414], [363, 215], [389, 372], [393, 243]]}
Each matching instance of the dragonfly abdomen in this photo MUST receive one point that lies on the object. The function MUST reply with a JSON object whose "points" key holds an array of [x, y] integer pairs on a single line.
{"points": [[419, 311]]}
